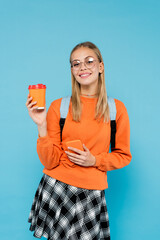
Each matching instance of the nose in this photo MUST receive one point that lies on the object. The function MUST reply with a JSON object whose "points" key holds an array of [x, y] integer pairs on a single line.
{"points": [[82, 66]]}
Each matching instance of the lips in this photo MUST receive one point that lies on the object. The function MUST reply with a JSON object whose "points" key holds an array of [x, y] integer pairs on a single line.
{"points": [[84, 75]]}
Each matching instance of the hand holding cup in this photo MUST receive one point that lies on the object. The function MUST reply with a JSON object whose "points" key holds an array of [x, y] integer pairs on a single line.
{"points": [[36, 104]]}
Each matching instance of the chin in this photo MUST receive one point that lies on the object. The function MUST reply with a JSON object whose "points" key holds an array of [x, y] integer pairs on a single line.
{"points": [[86, 83]]}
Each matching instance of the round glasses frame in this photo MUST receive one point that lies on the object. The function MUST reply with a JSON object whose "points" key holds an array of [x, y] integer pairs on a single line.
{"points": [[86, 64]]}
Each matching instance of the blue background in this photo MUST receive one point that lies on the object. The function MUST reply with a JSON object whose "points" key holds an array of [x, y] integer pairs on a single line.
{"points": [[36, 38]]}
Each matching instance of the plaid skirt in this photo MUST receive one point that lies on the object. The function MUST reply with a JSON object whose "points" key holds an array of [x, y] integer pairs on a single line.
{"points": [[61, 211]]}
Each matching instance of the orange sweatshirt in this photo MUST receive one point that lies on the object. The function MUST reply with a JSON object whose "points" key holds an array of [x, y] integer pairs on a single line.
{"points": [[96, 137]]}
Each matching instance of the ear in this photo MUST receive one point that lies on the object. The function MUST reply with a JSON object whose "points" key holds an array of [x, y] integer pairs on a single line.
{"points": [[101, 67]]}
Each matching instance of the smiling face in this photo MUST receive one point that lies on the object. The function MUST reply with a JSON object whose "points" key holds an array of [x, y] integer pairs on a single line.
{"points": [[86, 77]]}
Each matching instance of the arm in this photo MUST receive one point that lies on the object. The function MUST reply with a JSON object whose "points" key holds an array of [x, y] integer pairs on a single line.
{"points": [[49, 146], [121, 156]]}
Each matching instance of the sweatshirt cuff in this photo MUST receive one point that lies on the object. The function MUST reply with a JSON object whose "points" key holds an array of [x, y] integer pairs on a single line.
{"points": [[98, 161], [43, 140]]}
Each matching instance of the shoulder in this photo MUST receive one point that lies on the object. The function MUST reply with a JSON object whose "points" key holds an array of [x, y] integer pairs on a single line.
{"points": [[121, 109], [54, 108], [119, 104], [56, 104]]}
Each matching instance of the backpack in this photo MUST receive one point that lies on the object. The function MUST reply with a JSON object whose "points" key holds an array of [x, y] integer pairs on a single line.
{"points": [[112, 109]]}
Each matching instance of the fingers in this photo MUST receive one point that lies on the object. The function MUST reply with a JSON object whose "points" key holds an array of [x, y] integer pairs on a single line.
{"points": [[76, 150], [33, 108], [77, 159], [30, 104], [29, 99], [81, 157], [78, 162], [85, 148]]}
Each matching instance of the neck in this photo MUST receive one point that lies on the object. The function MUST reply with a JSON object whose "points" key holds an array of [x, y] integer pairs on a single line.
{"points": [[89, 90], [88, 95]]}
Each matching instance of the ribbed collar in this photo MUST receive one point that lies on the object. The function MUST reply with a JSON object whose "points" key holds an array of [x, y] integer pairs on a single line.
{"points": [[88, 99]]}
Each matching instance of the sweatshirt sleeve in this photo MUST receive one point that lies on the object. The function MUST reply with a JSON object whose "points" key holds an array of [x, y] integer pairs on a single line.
{"points": [[121, 155], [49, 147]]}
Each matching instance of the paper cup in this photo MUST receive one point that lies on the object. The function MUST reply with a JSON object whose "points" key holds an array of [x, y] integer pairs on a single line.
{"points": [[38, 92]]}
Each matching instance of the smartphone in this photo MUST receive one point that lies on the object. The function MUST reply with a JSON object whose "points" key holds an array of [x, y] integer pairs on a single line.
{"points": [[75, 144]]}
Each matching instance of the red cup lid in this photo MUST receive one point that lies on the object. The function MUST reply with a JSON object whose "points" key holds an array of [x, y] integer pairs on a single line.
{"points": [[38, 86]]}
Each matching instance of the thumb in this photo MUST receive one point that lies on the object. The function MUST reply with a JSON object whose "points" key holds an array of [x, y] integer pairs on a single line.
{"points": [[85, 148]]}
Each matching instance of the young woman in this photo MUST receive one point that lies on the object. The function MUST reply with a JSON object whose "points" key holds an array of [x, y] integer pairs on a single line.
{"points": [[70, 200]]}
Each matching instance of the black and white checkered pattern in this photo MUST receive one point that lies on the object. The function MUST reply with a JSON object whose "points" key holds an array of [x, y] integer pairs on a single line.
{"points": [[61, 211]]}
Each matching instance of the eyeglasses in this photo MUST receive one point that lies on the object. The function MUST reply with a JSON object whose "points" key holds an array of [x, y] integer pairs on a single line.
{"points": [[89, 62]]}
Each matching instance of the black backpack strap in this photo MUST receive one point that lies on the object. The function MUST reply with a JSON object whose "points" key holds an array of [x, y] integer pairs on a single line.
{"points": [[61, 123], [113, 134], [112, 111]]}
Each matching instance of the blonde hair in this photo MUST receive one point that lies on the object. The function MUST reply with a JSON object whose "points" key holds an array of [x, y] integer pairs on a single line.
{"points": [[102, 108]]}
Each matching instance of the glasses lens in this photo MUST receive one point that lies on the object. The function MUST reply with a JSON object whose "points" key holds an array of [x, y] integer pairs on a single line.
{"points": [[89, 62], [76, 64]]}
